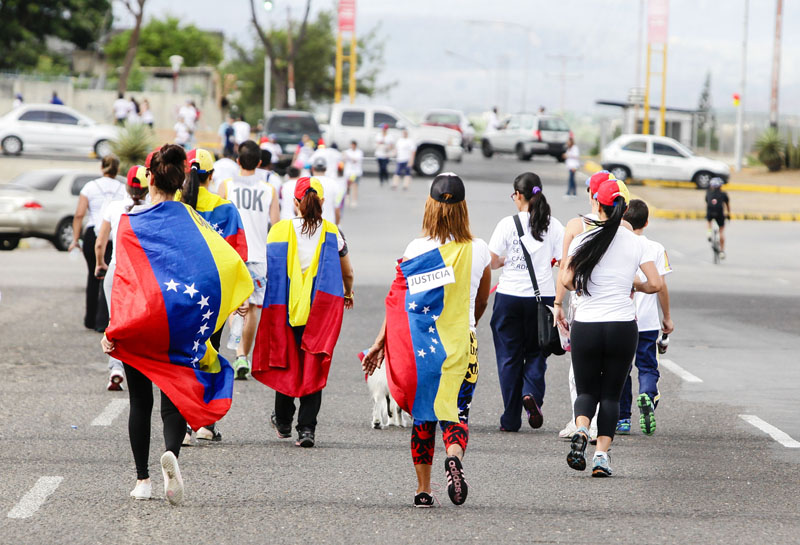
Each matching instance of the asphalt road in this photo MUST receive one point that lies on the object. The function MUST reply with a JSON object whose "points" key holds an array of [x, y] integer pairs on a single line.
{"points": [[706, 476]]}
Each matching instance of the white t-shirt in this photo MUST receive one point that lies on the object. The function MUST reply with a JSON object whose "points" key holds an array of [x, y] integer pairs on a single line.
{"points": [[271, 178], [275, 150], [332, 158], [353, 162], [515, 279], [188, 113], [382, 144], [332, 196], [112, 213], [181, 133], [100, 192], [612, 279], [405, 148], [647, 303], [121, 108], [480, 260], [252, 197], [573, 161], [307, 245], [287, 199], [224, 169], [241, 131]]}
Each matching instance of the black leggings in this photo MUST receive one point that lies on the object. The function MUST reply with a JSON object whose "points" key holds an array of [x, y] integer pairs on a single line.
{"points": [[141, 394], [96, 316], [602, 353]]}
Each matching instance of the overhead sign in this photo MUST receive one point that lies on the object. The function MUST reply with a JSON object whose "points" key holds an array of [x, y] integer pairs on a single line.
{"points": [[347, 15], [657, 19]]}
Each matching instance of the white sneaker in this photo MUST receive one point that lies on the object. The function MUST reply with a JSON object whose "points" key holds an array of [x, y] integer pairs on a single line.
{"points": [[143, 490], [173, 483], [592, 433], [187, 439], [207, 435], [568, 431]]}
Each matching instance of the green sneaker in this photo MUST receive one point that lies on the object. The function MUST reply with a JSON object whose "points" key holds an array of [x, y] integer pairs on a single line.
{"points": [[647, 418], [241, 368]]}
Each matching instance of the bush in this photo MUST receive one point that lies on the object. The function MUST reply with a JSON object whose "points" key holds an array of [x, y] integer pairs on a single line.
{"points": [[132, 145], [792, 154], [770, 147]]}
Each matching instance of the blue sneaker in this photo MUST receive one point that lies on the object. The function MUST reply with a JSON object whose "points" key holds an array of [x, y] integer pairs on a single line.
{"points": [[600, 467], [624, 427]]}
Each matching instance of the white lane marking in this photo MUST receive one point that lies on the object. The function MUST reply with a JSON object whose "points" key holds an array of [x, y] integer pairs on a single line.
{"points": [[677, 253], [112, 410], [780, 436], [678, 370], [35, 497]]}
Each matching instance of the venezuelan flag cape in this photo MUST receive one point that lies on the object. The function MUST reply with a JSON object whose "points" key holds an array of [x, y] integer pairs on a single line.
{"points": [[175, 284], [302, 313], [223, 216], [427, 332]]}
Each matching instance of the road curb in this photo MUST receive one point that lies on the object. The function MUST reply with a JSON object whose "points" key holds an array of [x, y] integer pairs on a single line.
{"points": [[753, 188]]}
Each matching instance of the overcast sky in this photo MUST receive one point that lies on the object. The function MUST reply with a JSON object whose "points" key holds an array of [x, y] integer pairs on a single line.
{"points": [[490, 49]]}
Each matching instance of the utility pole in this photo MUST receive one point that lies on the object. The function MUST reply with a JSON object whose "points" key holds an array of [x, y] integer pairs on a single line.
{"points": [[563, 76], [291, 95], [776, 67], [638, 83], [267, 85], [738, 151]]}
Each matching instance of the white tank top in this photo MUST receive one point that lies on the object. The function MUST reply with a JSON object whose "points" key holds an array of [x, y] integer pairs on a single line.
{"points": [[252, 196]]}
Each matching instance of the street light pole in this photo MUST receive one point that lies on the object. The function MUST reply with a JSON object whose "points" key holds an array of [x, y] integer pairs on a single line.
{"points": [[776, 67], [740, 111], [267, 85]]}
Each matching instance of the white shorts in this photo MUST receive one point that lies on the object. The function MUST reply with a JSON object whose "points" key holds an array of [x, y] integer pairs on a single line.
{"points": [[258, 272]]}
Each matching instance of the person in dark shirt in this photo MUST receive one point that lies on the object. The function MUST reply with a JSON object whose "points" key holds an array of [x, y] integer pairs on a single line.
{"points": [[718, 208]]}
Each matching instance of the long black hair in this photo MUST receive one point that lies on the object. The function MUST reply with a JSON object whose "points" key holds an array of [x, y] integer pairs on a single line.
{"points": [[529, 185], [191, 187], [592, 250]]}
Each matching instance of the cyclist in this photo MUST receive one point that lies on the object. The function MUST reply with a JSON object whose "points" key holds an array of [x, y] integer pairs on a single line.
{"points": [[718, 208]]}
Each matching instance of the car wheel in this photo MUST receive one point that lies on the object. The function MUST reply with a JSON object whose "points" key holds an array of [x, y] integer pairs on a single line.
{"points": [[620, 172], [12, 145], [702, 179], [102, 148], [430, 162], [63, 237], [8, 243], [521, 155], [486, 149]]}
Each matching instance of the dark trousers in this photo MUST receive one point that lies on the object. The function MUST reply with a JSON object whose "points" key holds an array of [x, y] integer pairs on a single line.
{"points": [[306, 416], [96, 316], [141, 395], [571, 183], [647, 364], [521, 365], [383, 170]]}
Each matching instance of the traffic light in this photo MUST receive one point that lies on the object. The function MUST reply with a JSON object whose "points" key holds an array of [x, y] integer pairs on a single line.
{"points": [[736, 99]]}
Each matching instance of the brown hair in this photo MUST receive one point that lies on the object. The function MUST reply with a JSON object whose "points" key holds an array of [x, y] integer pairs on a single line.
{"points": [[311, 212], [110, 165], [444, 221], [167, 168]]}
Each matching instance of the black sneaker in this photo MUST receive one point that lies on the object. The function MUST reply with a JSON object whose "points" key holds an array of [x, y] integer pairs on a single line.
{"points": [[535, 417], [456, 485], [423, 500], [284, 432], [576, 459], [305, 439]]}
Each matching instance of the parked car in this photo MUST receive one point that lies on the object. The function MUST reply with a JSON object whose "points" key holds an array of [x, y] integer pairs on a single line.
{"points": [[49, 127], [452, 119], [435, 145], [289, 126], [527, 135], [660, 158], [41, 203]]}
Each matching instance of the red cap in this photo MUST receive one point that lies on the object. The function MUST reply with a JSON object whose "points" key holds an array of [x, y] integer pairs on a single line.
{"points": [[321, 142], [137, 177], [610, 190], [305, 184], [150, 158], [263, 140], [598, 178]]}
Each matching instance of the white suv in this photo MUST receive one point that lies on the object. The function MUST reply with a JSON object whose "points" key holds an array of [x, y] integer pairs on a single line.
{"points": [[660, 158]]}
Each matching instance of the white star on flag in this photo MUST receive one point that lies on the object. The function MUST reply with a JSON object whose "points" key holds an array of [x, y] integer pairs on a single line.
{"points": [[203, 329], [194, 360], [431, 330], [421, 353], [203, 302], [196, 346], [412, 306], [208, 314], [426, 310], [433, 350], [435, 317], [171, 285], [190, 290], [216, 226], [434, 341]]}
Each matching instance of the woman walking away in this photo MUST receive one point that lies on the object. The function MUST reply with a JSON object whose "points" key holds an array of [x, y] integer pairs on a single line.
{"points": [[521, 364], [573, 161], [176, 281], [383, 145], [309, 284], [94, 197], [601, 267], [428, 336]]}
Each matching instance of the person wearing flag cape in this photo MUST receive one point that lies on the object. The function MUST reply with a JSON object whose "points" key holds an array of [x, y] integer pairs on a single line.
{"points": [[175, 283], [309, 284], [428, 337]]}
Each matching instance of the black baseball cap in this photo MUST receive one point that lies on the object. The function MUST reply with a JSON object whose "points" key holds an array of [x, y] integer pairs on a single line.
{"points": [[447, 188]]}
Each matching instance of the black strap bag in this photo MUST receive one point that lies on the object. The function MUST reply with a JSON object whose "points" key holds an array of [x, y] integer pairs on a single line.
{"points": [[549, 340]]}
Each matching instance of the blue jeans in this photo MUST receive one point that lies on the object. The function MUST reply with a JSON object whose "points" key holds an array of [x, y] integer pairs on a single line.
{"points": [[383, 170], [571, 183], [520, 363], [647, 364]]}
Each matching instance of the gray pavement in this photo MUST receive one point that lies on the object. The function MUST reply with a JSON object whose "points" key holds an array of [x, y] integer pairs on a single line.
{"points": [[706, 476]]}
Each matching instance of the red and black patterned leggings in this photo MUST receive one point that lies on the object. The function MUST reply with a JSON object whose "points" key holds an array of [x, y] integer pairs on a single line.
{"points": [[423, 439]]}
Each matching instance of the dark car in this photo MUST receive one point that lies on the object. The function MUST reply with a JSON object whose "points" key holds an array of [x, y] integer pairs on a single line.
{"points": [[289, 126]]}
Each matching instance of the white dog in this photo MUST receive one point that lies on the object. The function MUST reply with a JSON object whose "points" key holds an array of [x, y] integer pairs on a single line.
{"points": [[385, 411]]}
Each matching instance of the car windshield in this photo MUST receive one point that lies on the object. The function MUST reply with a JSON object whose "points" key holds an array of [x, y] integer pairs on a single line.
{"points": [[450, 119], [293, 124], [43, 181], [553, 124]]}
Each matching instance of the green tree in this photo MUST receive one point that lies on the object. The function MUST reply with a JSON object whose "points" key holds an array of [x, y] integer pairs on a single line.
{"points": [[24, 25], [159, 39], [706, 120]]}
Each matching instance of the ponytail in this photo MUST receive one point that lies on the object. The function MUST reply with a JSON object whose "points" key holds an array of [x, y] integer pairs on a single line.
{"points": [[529, 185], [191, 188], [311, 212], [592, 250]]}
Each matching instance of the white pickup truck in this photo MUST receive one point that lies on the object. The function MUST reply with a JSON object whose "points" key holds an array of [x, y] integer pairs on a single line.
{"points": [[435, 145]]}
